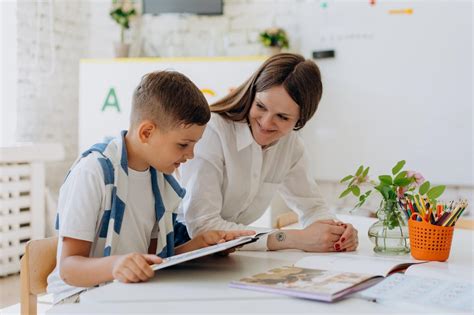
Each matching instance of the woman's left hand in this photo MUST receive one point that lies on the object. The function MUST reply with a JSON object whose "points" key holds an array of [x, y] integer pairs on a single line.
{"points": [[349, 239]]}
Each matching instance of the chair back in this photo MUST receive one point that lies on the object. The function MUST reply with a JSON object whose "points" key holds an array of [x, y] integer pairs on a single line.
{"points": [[37, 263]]}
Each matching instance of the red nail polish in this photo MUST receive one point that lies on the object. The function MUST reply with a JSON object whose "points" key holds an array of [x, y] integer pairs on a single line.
{"points": [[342, 240], [337, 246]]}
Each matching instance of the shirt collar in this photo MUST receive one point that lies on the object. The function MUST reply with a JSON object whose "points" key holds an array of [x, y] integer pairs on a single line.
{"points": [[243, 135]]}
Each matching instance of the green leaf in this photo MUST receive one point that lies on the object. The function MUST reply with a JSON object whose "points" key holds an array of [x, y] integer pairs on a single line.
{"points": [[401, 175], [355, 190], [345, 192], [346, 178], [359, 170], [435, 192], [386, 179], [424, 188], [366, 171], [402, 182], [398, 167]]}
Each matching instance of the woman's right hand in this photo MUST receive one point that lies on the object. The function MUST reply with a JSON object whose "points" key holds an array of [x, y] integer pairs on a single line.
{"points": [[134, 267], [321, 236]]}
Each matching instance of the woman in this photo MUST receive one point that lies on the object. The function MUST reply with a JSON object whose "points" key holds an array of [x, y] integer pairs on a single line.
{"points": [[251, 149]]}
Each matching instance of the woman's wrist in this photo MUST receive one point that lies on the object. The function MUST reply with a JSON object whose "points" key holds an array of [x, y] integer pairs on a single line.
{"points": [[283, 239]]}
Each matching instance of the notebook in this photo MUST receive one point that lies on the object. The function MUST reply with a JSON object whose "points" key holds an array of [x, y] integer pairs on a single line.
{"points": [[177, 259], [422, 293], [324, 277]]}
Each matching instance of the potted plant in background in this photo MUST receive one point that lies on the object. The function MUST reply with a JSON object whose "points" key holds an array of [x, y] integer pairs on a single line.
{"points": [[122, 12], [275, 39], [390, 233]]}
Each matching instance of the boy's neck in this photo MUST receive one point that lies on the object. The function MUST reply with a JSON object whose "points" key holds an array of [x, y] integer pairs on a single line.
{"points": [[133, 154]]}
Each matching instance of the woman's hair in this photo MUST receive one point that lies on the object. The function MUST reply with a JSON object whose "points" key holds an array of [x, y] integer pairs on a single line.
{"points": [[299, 77]]}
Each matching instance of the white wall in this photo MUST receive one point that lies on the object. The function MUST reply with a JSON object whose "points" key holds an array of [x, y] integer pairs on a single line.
{"points": [[53, 38], [8, 73]]}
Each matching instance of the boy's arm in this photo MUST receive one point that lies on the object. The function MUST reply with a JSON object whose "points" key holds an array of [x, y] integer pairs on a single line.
{"points": [[80, 270]]}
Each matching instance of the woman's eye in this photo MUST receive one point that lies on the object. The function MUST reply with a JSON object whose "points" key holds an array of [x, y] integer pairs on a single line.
{"points": [[259, 106], [183, 145], [282, 117]]}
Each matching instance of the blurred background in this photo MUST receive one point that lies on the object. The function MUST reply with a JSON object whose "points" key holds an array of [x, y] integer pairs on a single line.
{"points": [[397, 81]]}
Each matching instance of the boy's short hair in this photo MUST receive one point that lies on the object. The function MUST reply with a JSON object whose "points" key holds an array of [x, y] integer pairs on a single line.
{"points": [[169, 99]]}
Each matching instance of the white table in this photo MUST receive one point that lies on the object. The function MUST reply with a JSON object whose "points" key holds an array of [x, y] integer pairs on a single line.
{"points": [[201, 286]]}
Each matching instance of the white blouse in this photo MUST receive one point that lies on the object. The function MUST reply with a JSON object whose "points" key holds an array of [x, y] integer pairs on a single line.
{"points": [[231, 181]]}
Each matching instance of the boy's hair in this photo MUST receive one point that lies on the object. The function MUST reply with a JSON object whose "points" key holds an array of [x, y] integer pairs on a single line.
{"points": [[169, 99]]}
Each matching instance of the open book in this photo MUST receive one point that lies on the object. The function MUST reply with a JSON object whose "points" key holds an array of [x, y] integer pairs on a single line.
{"points": [[177, 259], [324, 277]]}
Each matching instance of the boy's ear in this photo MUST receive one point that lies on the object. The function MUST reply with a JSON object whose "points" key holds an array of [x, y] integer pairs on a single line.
{"points": [[146, 130]]}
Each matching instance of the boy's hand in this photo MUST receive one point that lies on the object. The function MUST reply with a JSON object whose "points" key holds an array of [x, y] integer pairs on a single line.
{"points": [[134, 267]]}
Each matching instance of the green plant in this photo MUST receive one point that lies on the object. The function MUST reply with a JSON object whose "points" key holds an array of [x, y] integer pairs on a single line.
{"points": [[400, 184], [122, 11], [274, 37]]}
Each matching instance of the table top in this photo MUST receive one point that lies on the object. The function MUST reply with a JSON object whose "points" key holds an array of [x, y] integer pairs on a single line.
{"points": [[201, 285]]}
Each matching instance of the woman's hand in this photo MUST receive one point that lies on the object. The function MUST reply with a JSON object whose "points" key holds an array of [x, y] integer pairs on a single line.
{"points": [[212, 237], [134, 267], [321, 236], [216, 237], [349, 239]]}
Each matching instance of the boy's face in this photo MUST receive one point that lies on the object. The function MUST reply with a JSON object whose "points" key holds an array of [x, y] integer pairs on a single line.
{"points": [[166, 150]]}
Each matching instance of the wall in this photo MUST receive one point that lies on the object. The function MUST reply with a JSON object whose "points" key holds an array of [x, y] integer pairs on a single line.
{"points": [[52, 39]]}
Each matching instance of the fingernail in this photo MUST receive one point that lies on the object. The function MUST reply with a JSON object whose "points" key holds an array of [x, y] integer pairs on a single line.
{"points": [[342, 240], [337, 246]]}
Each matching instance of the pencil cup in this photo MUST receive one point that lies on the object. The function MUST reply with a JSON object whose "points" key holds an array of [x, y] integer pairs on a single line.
{"points": [[428, 241]]}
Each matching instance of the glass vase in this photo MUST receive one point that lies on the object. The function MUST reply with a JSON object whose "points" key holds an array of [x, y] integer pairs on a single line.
{"points": [[390, 233]]}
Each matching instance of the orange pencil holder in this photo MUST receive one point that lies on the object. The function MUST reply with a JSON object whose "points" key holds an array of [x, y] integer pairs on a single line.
{"points": [[428, 241]]}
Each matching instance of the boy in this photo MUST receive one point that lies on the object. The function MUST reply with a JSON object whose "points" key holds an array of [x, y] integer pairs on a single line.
{"points": [[116, 206]]}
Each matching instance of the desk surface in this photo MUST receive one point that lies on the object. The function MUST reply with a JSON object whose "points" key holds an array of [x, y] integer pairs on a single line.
{"points": [[202, 285]]}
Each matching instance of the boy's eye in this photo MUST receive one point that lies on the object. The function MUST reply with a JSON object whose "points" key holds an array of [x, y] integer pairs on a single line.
{"points": [[183, 145]]}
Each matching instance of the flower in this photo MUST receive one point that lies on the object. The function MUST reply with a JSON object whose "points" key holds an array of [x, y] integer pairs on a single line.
{"points": [[274, 37], [393, 188], [122, 12]]}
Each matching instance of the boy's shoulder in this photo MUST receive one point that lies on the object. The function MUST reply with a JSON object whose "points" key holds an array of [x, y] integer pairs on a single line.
{"points": [[89, 164]]}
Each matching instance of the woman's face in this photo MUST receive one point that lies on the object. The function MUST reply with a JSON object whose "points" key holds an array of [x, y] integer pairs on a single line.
{"points": [[273, 115]]}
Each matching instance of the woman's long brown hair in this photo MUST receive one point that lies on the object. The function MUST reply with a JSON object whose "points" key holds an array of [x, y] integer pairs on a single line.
{"points": [[300, 78]]}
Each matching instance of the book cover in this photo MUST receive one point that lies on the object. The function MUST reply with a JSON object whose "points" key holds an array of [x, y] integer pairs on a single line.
{"points": [[322, 285]]}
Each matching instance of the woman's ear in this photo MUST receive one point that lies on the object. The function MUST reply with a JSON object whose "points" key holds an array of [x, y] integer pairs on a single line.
{"points": [[146, 130]]}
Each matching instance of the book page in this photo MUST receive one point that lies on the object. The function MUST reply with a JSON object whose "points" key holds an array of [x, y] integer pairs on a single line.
{"points": [[441, 270], [174, 260], [375, 266], [420, 291]]}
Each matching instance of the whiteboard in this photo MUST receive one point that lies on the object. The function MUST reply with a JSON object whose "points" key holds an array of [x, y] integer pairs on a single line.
{"points": [[214, 76], [399, 87]]}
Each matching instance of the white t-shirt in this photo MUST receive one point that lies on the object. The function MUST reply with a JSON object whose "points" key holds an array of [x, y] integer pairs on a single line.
{"points": [[81, 206], [231, 181]]}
